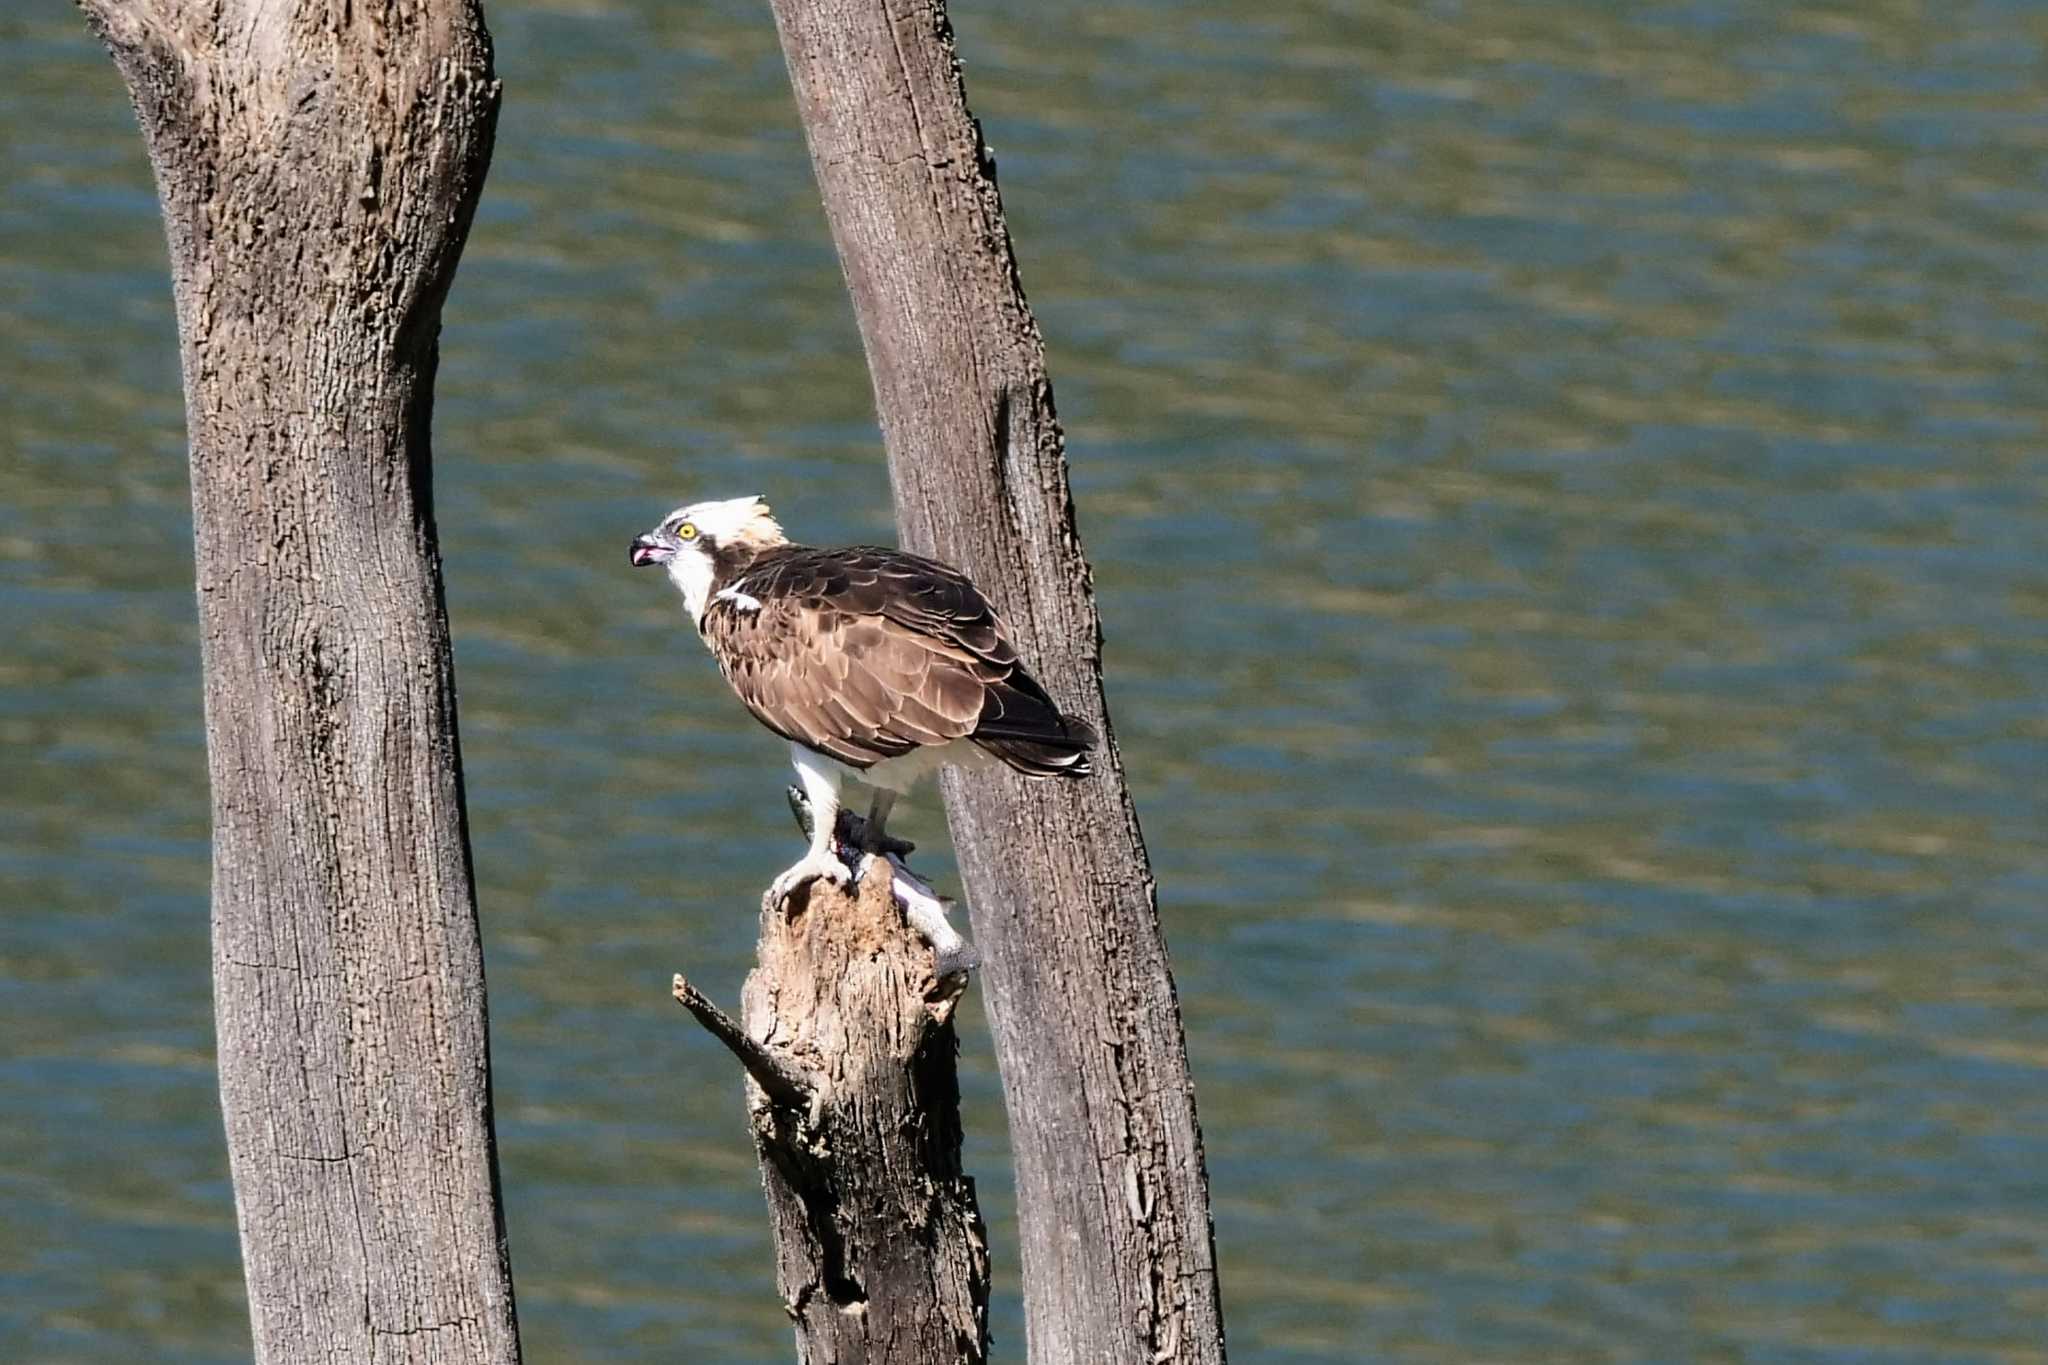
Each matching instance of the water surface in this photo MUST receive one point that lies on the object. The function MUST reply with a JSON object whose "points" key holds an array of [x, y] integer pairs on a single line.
{"points": [[1566, 492]]}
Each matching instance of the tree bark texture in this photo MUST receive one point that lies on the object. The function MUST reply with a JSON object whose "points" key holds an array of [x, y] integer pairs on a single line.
{"points": [[318, 164], [848, 1042], [1118, 1253]]}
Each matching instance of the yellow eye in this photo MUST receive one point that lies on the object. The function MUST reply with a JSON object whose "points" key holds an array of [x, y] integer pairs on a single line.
{"points": [[686, 530]]}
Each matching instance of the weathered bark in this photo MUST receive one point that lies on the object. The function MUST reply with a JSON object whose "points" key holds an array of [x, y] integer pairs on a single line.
{"points": [[318, 165], [1118, 1255], [849, 1048]]}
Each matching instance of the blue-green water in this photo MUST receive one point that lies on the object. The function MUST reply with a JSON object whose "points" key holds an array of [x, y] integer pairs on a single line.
{"points": [[1567, 491]]}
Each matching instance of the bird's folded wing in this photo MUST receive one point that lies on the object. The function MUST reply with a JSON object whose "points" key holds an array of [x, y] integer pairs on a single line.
{"points": [[861, 687]]}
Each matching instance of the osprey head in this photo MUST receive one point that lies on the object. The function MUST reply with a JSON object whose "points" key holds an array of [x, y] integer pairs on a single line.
{"points": [[707, 540]]}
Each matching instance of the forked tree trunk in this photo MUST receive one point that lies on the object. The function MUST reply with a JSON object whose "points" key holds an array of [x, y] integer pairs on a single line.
{"points": [[1113, 1203], [318, 164]]}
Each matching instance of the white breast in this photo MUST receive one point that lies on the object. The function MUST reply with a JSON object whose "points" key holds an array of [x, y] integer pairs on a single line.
{"points": [[899, 775], [691, 573]]}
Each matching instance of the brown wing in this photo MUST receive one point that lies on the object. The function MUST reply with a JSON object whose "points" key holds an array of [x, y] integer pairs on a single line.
{"points": [[860, 688], [868, 653]]}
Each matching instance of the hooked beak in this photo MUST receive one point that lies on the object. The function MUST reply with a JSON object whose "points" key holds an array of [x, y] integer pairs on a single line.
{"points": [[647, 550]]}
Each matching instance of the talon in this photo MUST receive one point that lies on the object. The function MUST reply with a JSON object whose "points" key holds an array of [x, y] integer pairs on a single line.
{"points": [[812, 867]]}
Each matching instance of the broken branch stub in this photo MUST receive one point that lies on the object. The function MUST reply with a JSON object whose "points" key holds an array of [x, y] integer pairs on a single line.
{"points": [[847, 1038]]}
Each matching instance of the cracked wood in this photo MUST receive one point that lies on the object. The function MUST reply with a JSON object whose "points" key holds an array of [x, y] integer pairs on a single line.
{"points": [[318, 164], [880, 1252]]}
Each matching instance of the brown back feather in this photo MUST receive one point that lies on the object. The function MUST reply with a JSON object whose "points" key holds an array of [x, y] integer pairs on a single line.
{"points": [[868, 653]]}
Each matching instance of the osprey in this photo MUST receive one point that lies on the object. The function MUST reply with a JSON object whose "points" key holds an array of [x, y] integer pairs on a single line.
{"points": [[876, 665]]}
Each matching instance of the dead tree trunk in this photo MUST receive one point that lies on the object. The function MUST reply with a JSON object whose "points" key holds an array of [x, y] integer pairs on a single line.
{"points": [[1118, 1256], [848, 1043], [318, 164]]}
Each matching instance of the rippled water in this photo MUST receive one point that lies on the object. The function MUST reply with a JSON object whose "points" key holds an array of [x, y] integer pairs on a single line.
{"points": [[1567, 493]]}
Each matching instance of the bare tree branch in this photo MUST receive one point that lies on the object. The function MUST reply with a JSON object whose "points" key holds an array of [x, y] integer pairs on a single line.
{"points": [[783, 1080]]}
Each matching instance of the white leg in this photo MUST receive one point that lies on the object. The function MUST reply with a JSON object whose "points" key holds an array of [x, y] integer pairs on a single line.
{"points": [[821, 788]]}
